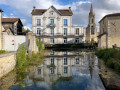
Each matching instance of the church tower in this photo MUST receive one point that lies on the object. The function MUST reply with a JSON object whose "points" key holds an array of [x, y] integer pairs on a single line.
{"points": [[91, 31]]}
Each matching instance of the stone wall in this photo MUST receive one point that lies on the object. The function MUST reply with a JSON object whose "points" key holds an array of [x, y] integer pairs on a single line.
{"points": [[7, 62]]}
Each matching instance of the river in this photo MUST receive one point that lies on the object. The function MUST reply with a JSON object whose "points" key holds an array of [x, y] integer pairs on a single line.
{"points": [[61, 70]]}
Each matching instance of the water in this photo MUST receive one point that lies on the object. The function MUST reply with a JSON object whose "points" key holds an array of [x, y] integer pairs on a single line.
{"points": [[62, 70]]}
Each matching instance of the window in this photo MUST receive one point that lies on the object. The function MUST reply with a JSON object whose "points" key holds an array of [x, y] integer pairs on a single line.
{"points": [[65, 31], [52, 31], [52, 61], [65, 22], [65, 69], [39, 71], [51, 21], [77, 31], [52, 70], [65, 61], [92, 30], [92, 20], [38, 22], [38, 31], [77, 60], [65, 53], [77, 40], [65, 40], [52, 40]]}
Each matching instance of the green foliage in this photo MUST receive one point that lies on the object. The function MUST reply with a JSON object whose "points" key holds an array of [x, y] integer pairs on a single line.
{"points": [[21, 57], [40, 45], [111, 58], [25, 30], [2, 51]]}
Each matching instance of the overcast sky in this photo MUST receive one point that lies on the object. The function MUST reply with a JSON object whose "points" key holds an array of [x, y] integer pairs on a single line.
{"points": [[22, 9]]}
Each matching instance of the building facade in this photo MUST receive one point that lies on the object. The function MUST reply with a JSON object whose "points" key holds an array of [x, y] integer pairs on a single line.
{"points": [[13, 24], [109, 31], [91, 30], [54, 26]]}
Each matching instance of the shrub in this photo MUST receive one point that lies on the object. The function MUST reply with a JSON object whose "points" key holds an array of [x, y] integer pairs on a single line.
{"points": [[21, 57], [40, 45], [111, 58], [2, 51]]}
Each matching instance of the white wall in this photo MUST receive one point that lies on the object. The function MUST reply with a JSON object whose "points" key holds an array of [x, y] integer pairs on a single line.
{"points": [[11, 43]]}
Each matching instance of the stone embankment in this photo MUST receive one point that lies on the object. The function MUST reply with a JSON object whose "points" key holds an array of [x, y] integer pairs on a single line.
{"points": [[110, 79], [7, 62]]}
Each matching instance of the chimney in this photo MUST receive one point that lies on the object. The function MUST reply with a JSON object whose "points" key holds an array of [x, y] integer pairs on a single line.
{"points": [[70, 9], [1, 29], [34, 8]]}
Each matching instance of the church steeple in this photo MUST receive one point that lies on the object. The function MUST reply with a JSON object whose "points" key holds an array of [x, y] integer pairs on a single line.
{"points": [[91, 9]]}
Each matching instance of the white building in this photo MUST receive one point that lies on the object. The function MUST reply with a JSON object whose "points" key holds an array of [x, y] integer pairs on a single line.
{"points": [[54, 26]]}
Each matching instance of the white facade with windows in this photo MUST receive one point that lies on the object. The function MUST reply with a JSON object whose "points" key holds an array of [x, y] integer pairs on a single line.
{"points": [[54, 26]]}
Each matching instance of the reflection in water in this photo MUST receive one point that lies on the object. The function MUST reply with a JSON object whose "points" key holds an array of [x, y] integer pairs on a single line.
{"points": [[64, 71]]}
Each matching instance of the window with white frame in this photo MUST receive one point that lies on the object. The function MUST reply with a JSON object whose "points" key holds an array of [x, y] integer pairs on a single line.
{"points": [[77, 31], [77, 60], [65, 40], [65, 22], [52, 31], [38, 22], [51, 21], [65, 69], [38, 31], [52, 61], [65, 61], [52, 40], [52, 70], [65, 31]]}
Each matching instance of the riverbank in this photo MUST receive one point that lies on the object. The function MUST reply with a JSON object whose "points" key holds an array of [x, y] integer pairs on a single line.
{"points": [[109, 62], [110, 78]]}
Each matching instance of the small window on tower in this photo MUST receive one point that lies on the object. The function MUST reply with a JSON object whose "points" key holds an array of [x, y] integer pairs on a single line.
{"points": [[92, 20], [92, 30]]}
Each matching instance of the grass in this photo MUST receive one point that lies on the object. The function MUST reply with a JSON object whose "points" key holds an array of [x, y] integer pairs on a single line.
{"points": [[2, 51], [111, 57]]}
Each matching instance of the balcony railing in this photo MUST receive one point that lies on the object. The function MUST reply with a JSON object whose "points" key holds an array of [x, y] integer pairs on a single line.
{"points": [[51, 25], [58, 35]]}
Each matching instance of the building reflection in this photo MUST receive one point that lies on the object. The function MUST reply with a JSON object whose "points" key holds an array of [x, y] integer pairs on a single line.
{"points": [[57, 66]]}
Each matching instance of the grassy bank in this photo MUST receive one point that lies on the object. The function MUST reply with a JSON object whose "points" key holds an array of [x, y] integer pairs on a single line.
{"points": [[111, 57]]}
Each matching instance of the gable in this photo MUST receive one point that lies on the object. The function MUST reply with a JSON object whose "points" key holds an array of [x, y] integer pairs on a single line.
{"points": [[59, 11]]}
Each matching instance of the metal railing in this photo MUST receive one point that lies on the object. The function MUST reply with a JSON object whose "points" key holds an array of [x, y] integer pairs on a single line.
{"points": [[57, 35]]}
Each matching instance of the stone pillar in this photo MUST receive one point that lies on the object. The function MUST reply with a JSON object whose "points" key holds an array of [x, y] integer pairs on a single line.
{"points": [[1, 29]]}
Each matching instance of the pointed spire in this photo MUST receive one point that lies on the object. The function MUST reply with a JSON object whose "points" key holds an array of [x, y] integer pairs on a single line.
{"points": [[91, 9]]}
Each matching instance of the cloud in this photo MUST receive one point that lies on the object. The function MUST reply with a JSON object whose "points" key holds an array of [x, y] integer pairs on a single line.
{"points": [[80, 8]]}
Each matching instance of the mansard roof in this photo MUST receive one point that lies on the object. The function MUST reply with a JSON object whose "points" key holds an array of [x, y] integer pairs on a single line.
{"points": [[110, 15], [61, 11]]}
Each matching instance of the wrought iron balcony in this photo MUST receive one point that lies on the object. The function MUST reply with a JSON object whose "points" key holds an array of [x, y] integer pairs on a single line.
{"points": [[58, 35], [51, 25]]}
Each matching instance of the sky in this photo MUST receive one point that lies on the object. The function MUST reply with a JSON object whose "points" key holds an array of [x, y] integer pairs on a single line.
{"points": [[22, 9]]}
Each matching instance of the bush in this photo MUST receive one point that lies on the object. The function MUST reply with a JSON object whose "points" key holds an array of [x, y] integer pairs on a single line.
{"points": [[21, 57], [40, 45], [111, 58], [2, 51]]}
